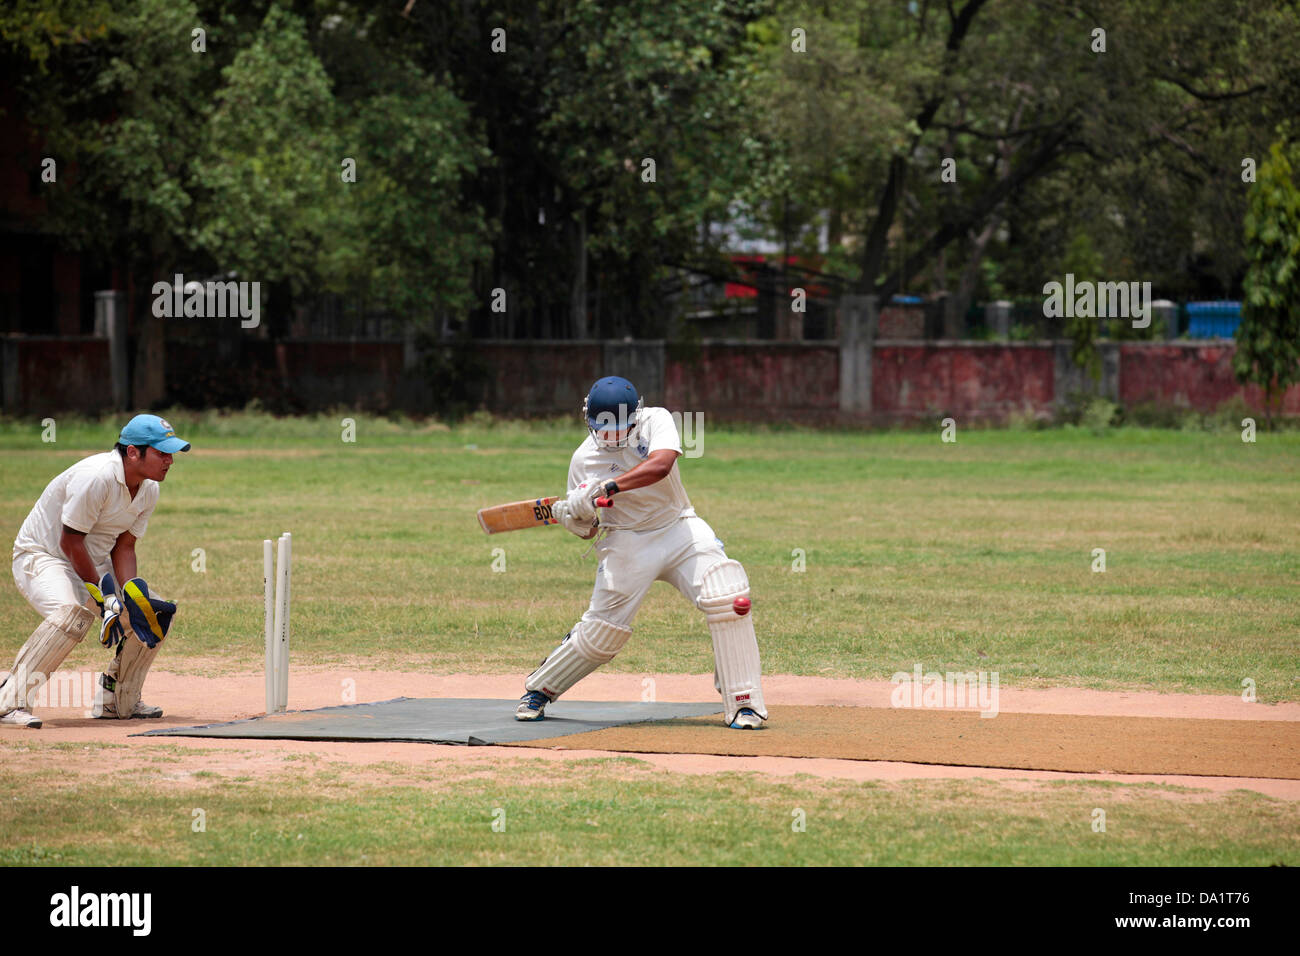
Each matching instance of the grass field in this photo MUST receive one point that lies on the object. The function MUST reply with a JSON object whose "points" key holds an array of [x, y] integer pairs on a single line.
{"points": [[620, 811], [868, 552], [977, 553]]}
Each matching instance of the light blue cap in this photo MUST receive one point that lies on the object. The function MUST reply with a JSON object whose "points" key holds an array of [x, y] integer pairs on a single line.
{"points": [[154, 431]]}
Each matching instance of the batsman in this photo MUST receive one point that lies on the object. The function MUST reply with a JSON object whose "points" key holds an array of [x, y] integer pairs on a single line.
{"points": [[77, 543], [624, 485]]}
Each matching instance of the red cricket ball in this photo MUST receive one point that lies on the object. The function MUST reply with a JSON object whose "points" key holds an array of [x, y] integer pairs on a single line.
{"points": [[741, 606]]}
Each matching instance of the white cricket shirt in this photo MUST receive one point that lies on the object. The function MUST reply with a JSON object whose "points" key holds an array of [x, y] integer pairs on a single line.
{"points": [[91, 496], [641, 509]]}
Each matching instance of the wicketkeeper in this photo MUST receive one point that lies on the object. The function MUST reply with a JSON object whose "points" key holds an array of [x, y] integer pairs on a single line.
{"points": [[650, 533], [76, 544]]}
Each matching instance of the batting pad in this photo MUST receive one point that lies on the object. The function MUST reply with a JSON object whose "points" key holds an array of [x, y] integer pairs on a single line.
{"points": [[448, 720]]}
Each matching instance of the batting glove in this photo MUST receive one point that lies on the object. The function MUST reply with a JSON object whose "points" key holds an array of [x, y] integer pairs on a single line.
{"points": [[581, 503]]}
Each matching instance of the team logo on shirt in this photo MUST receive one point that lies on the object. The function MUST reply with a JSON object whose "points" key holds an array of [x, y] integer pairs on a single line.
{"points": [[642, 449]]}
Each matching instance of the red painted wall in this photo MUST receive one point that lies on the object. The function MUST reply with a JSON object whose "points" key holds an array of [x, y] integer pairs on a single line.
{"points": [[982, 381], [782, 381], [1196, 376], [750, 381]]}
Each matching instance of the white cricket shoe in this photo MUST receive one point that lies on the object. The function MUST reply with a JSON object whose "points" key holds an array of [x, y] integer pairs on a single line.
{"points": [[21, 718], [532, 706], [746, 719], [106, 707]]}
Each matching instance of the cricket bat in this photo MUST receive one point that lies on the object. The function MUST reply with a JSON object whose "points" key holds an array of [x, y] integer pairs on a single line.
{"points": [[518, 514], [523, 514]]}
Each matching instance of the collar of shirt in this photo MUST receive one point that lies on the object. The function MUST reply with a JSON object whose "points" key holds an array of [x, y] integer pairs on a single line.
{"points": [[119, 472]]}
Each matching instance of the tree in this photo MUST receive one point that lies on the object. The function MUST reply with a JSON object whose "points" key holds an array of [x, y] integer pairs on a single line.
{"points": [[1268, 338], [579, 97], [121, 106], [267, 160], [38, 28], [175, 159], [358, 191], [1135, 145]]}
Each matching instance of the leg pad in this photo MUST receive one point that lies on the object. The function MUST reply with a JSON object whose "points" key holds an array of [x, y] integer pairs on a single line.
{"points": [[590, 644], [737, 674], [132, 668], [51, 642]]}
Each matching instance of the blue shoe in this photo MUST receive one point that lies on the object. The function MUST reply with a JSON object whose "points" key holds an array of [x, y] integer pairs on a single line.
{"points": [[532, 706], [746, 719]]}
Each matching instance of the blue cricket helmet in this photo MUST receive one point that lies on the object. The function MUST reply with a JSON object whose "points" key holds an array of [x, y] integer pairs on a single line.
{"points": [[612, 405]]}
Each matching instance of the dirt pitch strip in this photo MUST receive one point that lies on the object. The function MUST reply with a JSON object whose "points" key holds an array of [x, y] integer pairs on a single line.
{"points": [[841, 729], [1074, 744]]}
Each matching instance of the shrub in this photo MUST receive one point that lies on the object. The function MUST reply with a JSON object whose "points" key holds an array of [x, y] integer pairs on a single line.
{"points": [[1098, 415]]}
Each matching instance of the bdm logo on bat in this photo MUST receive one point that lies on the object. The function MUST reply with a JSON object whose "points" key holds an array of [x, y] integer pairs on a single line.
{"points": [[77, 909]]}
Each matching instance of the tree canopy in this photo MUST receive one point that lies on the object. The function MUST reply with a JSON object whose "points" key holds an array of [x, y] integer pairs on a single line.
{"points": [[576, 153], [1268, 339]]}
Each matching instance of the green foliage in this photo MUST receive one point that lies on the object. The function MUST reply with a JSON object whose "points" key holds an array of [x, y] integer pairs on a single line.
{"points": [[586, 96], [823, 123], [478, 169], [1227, 417], [1137, 148], [125, 139], [1268, 338], [1093, 413], [1082, 260], [268, 159], [280, 208], [651, 82], [230, 160], [1157, 415], [990, 273], [407, 236], [39, 28]]}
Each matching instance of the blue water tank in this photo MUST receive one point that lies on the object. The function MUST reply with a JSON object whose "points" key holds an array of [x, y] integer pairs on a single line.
{"points": [[1213, 320]]}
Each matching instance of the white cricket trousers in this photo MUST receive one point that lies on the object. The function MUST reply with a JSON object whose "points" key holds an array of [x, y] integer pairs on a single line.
{"points": [[48, 582], [631, 561]]}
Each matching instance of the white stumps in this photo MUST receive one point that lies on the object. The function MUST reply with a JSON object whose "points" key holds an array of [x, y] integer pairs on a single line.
{"points": [[268, 585], [277, 622]]}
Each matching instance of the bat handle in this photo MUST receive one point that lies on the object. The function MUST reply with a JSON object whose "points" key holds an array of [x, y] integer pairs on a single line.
{"points": [[604, 502]]}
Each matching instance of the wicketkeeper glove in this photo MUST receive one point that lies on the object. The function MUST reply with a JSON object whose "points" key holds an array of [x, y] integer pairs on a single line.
{"points": [[149, 617], [110, 609]]}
